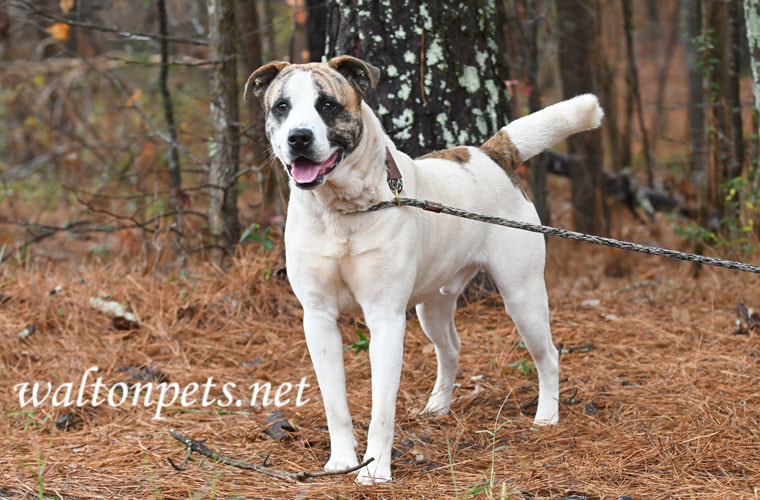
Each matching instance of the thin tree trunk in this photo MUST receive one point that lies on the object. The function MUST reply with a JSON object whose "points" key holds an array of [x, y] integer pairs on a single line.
{"points": [[268, 41], [299, 39], [316, 28], [733, 96], [536, 166], [249, 28], [610, 106], [691, 21], [752, 19], [633, 81], [251, 52], [174, 165], [727, 133], [579, 29], [223, 214], [660, 121]]}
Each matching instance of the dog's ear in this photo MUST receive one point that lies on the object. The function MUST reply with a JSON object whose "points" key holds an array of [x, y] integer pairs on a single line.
{"points": [[363, 76], [261, 78]]}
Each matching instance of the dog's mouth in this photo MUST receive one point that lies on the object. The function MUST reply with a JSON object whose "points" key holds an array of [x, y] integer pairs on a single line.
{"points": [[309, 174]]}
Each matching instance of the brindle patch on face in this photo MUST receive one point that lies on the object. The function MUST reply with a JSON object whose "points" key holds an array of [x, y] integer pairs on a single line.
{"points": [[344, 122], [501, 150], [459, 155]]}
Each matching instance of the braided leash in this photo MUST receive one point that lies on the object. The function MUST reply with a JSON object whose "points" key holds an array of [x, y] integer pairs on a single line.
{"points": [[432, 206]]}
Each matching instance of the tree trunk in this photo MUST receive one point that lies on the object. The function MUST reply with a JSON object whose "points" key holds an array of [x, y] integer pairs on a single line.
{"points": [[299, 38], [251, 54], [578, 31], [223, 214], [249, 27], [660, 120], [536, 166], [316, 28], [442, 85], [174, 168], [752, 19], [691, 21], [268, 22], [633, 81], [727, 134], [733, 95]]}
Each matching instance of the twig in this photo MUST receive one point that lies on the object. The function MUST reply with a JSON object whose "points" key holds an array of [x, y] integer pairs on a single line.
{"points": [[131, 35], [198, 447]]}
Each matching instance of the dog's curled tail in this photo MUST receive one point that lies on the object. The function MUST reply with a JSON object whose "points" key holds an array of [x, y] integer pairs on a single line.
{"points": [[537, 131]]}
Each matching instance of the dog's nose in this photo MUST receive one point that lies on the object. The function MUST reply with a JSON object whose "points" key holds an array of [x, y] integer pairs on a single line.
{"points": [[300, 138]]}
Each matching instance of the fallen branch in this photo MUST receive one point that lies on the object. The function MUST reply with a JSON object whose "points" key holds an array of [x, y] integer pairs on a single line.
{"points": [[624, 188], [198, 447]]}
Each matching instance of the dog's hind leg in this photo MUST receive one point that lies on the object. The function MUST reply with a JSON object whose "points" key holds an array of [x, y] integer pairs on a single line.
{"points": [[522, 287], [437, 320]]}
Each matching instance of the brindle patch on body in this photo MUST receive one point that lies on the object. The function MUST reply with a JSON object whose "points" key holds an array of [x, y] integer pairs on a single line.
{"points": [[501, 150], [459, 155]]}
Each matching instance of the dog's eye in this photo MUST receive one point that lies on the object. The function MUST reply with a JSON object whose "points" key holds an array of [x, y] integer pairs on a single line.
{"points": [[281, 106], [328, 106]]}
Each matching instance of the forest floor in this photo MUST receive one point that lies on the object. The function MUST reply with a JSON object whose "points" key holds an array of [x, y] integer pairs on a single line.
{"points": [[659, 396]]}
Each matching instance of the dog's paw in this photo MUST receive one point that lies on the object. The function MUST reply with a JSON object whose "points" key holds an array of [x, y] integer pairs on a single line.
{"points": [[375, 477], [543, 422], [435, 409], [337, 463]]}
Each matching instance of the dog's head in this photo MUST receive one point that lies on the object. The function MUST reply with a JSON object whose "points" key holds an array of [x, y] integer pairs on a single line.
{"points": [[313, 112]]}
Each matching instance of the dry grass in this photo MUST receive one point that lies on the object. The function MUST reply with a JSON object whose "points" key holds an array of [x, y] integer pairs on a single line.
{"points": [[677, 392]]}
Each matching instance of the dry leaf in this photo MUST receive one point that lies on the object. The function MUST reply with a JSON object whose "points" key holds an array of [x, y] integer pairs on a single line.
{"points": [[135, 96], [66, 5], [60, 31]]}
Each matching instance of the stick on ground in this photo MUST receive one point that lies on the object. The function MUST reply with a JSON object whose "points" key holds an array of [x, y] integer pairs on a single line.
{"points": [[198, 447]]}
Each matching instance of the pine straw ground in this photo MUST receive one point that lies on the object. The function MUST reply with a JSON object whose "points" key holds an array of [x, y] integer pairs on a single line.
{"points": [[666, 402]]}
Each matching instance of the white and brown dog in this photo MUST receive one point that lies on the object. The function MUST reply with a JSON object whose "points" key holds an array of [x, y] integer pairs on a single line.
{"points": [[340, 258]]}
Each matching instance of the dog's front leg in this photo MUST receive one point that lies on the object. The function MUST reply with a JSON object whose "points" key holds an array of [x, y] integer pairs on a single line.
{"points": [[326, 350], [386, 351]]}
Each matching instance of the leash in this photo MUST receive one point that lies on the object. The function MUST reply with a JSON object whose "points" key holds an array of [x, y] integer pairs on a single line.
{"points": [[432, 206]]}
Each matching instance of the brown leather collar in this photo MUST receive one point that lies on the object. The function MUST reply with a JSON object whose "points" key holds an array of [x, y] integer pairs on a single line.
{"points": [[395, 183]]}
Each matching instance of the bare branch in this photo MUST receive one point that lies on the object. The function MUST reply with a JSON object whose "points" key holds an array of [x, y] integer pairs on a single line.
{"points": [[198, 447], [130, 35]]}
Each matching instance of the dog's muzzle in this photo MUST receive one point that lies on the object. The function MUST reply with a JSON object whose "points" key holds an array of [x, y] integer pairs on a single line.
{"points": [[309, 174]]}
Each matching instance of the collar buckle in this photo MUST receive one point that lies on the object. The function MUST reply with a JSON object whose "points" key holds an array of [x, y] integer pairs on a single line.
{"points": [[395, 183]]}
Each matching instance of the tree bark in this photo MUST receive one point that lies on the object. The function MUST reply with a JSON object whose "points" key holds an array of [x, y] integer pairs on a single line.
{"points": [[579, 27], [752, 19], [536, 166], [249, 27], [728, 146], [251, 55], [174, 167], [633, 81], [660, 120], [316, 28], [691, 21], [442, 85], [223, 214]]}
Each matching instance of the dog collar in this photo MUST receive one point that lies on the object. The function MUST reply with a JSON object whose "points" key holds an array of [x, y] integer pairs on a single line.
{"points": [[395, 183]]}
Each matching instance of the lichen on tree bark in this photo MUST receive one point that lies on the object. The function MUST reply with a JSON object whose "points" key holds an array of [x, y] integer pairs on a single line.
{"points": [[441, 84], [752, 18]]}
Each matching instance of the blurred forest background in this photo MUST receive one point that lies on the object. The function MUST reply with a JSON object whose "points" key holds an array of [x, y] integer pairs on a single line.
{"points": [[125, 132], [131, 166]]}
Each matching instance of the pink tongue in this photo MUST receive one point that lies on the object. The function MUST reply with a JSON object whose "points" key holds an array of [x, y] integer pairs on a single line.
{"points": [[305, 170]]}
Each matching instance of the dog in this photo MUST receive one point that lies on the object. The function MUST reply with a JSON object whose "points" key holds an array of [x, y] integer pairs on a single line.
{"points": [[339, 258]]}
